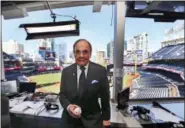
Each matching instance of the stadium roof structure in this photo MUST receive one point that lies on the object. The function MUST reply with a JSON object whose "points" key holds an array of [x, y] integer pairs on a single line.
{"points": [[8, 57], [160, 11]]}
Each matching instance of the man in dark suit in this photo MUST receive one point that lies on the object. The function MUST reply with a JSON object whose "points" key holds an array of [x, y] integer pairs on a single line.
{"points": [[82, 84]]}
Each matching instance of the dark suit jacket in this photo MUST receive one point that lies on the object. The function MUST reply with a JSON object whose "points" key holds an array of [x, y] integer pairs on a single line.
{"points": [[92, 114]]}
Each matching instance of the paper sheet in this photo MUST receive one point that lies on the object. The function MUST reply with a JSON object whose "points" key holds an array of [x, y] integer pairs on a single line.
{"points": [[35, 105], [27, 106], [13, 103], [19, 108], [16, 101], [30, 111]]}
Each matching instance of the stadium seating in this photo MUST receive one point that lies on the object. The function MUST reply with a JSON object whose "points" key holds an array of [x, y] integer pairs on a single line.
{"points": [[12, 75], [170, 52], [165, 60], [143, 93], [149, 86], [8, 57], [178, 68], [181, 88], [28, 68]]}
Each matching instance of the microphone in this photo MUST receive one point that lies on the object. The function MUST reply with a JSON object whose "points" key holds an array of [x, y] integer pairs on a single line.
{"points": [[156, 104], [141, 110]]}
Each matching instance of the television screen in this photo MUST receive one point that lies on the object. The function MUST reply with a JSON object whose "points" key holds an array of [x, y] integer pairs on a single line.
{"points": [[50, 55], [8, 87]]}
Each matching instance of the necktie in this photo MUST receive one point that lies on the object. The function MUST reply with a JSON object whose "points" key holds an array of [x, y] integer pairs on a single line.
{"points": [[82, 79]]}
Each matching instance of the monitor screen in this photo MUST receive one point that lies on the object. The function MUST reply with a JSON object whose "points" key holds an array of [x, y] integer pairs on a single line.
{"points": [[123, 96], [8, 87], [27, 87]]}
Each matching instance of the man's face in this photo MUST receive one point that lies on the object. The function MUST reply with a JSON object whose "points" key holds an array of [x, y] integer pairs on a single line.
{"points": [[82, 53]]}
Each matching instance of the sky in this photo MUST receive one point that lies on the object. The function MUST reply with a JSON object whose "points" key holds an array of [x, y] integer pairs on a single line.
{"points": [[95, 27]]}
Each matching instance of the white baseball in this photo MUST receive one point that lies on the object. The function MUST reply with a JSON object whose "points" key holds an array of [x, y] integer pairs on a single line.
{"points": [[78, 110]]}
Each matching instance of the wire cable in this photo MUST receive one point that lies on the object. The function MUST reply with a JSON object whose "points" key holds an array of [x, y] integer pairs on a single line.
{"points": [[53, 15], [49, 7], [36, 113], [67, 16]]}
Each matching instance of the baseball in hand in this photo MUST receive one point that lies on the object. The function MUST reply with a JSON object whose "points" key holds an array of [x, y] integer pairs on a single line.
{"points": [[78, 110]]}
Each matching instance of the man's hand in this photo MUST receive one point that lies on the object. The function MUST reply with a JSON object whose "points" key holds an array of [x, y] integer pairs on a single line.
{"points": [[106, 124], [71, 110]]}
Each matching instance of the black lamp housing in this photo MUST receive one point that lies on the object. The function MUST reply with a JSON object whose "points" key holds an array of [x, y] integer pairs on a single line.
{"points": [[51, 29]]}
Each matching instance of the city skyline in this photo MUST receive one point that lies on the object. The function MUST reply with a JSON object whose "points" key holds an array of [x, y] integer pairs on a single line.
{"points": [[61, 51], [13, 47]]}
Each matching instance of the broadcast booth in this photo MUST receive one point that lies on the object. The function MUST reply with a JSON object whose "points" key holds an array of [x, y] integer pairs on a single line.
{"points": [[22, 107]]}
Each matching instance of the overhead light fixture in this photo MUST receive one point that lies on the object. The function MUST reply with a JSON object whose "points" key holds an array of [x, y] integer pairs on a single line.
{"points": [[156, 14], [51, 29]]}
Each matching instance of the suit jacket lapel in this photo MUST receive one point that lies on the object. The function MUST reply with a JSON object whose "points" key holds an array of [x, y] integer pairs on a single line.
{"points": [[89, 73], [74, 78]]}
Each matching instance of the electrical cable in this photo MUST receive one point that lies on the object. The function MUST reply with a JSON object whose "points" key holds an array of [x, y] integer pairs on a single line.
{"points": [[156, 104], [53, 15], [37, 111], [144, 114], [49, 108], [49, 7], [67, 16]]}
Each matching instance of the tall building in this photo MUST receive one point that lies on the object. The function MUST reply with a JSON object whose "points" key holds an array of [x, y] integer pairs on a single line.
{"points": [[61, 51], [138, 44], [13, 47], [100, 56], [131, 44], [26, 55], [93, 58], [52, 44], [110, 50], [48, 43], [36, 57], [43, 43], [71, 55]]}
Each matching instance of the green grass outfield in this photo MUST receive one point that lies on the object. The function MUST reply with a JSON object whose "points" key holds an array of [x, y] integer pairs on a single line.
{"points": [[56, 77], [46, 78]]}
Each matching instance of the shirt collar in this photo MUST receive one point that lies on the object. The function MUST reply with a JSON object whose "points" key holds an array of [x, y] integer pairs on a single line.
{"points": [[86, 66]]}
